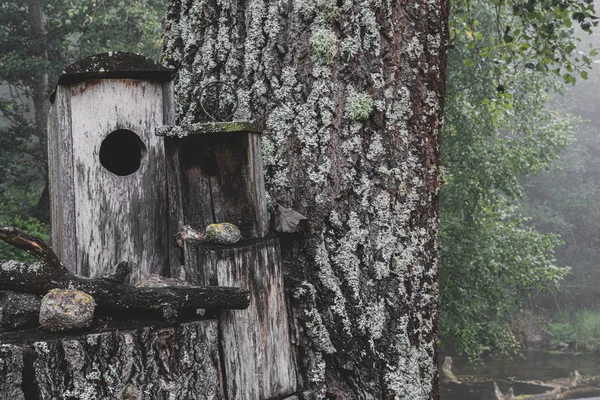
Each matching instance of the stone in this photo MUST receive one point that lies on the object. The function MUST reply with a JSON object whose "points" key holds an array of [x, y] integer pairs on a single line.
{"points": [[19, 310], [66, 310], [154, 280], [223, 233]]}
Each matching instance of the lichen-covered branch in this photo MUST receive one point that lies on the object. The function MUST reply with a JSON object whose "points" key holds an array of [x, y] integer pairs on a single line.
{"points": [[109, 293]]}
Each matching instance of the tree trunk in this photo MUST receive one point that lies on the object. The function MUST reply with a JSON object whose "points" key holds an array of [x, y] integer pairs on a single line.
{"points": [[41, 104], [350, 95], [149, 363]]}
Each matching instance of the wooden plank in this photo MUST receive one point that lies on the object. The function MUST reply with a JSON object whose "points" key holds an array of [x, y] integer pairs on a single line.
{"points": [[208, 128], [61, 181], [196, 195], [234, 192], [118, 218], [175, 207], [257, 353], [589, 398], [174, 201], [256, 174]]}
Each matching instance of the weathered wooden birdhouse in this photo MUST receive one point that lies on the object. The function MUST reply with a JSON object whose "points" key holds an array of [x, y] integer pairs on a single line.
{"points": [[215, 174], [107, 168], [120, 193]]}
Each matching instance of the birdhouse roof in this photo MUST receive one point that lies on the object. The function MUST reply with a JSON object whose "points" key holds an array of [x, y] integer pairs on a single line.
{"points": [[114, 65]]}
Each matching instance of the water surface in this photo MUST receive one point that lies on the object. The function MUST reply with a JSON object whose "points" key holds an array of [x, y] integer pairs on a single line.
{"points": [[533, 366]]}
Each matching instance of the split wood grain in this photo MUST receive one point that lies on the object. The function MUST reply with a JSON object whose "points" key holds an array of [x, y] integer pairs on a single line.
{"points": [[258, 356]]}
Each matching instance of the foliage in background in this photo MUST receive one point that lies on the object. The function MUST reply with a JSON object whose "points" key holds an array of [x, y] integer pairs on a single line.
{"points": [[580, 329], [531, 34], [499, 128], [30, 63], [566, 200], [99, 26], [16, 210]]}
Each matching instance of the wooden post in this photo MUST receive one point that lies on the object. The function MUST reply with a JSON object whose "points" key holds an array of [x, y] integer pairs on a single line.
{"points": [[257, 353], [107, 168]]}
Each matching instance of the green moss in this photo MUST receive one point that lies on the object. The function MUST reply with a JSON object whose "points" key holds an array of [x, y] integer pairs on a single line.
{"points": [[359, 106], [324, 42], [181, 131]]}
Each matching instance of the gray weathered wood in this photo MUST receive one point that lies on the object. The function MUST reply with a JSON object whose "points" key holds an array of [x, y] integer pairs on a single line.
{"points": [[149, 363], [257, 353], [60, 174], [305, 395], [19, 310], [174, 208], [108, 218], [207, 128]]}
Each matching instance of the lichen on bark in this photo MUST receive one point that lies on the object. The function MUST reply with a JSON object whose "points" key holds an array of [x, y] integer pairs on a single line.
{"points": [[368, 186]]}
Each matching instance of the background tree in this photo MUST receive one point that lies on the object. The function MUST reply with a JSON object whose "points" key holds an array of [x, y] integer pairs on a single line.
{"points": [[565, 200], [499, 127]]}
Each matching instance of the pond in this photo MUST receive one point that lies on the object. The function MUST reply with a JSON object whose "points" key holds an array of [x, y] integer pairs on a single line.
{"points": [[533, 366]]}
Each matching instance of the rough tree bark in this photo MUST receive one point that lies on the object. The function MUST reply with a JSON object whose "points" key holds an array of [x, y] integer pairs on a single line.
{"points": [[350, 94], [146, 363]]}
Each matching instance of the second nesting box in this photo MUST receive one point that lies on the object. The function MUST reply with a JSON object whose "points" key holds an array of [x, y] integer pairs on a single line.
{"points": [[215, 174]]}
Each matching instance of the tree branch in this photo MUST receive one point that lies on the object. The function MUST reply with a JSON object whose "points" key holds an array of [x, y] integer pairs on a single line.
{"points": [[109, 292]]}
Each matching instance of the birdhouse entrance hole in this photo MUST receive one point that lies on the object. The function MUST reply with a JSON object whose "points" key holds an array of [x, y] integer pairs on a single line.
{"points": [[121, 152]]}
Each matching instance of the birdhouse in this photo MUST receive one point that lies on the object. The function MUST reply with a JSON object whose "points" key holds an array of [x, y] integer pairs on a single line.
{"points": [[215, 174], [107, 168]]}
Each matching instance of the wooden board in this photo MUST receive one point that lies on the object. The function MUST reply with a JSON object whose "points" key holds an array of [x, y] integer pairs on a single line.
{"points": [[149, 363], [116, 218], [174, 208], [60, 170], [257, 353]]}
